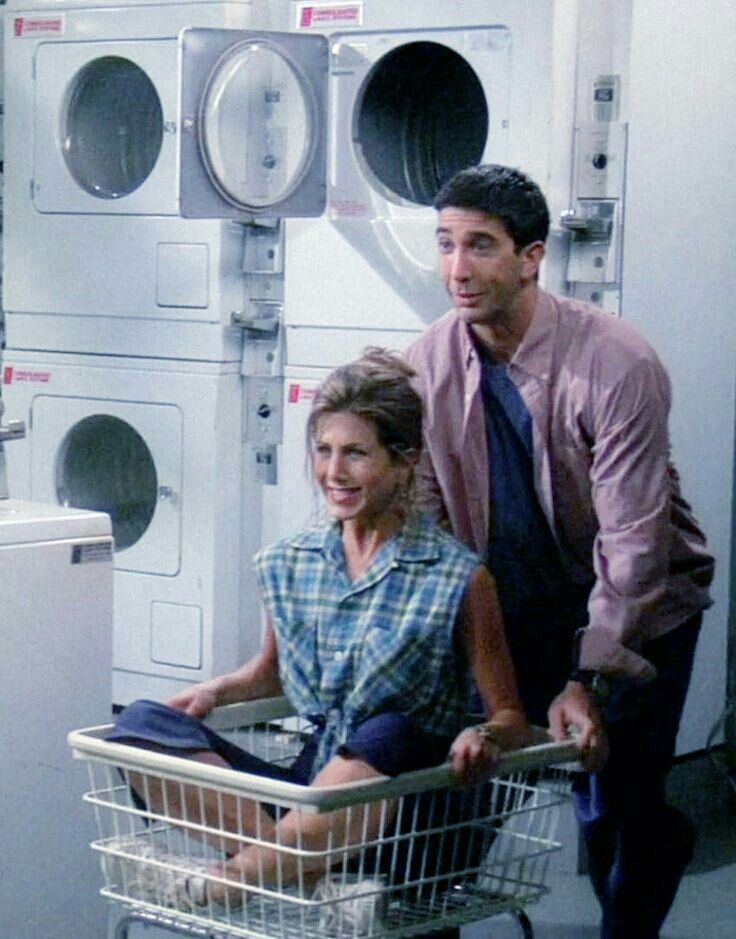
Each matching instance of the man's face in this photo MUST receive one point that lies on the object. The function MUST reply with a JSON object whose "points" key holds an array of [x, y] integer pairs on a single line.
{"points": [[482, 270]]}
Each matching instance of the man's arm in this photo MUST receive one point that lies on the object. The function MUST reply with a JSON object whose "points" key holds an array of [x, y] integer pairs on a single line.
{"points": [[630, 488], [428, 495]]}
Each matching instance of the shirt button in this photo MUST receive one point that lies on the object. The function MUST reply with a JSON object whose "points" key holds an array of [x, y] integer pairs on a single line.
{"points": [[339, 656]]}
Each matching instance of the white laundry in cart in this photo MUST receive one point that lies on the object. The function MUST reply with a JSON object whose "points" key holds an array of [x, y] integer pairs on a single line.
{"points": [[443, 855]]}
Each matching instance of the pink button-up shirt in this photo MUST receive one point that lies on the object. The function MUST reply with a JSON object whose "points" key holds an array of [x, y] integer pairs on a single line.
{"points": [[599, 399]]}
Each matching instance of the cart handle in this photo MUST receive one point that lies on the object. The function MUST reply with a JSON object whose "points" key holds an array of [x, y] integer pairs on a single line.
{"points": [[90, 744]]}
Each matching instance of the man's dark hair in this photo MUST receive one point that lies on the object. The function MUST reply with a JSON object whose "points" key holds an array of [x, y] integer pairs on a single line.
{"points": [[503, 193]]}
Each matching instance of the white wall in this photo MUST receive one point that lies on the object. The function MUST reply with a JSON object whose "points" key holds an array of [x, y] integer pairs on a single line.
{"points": [[679, 261]]}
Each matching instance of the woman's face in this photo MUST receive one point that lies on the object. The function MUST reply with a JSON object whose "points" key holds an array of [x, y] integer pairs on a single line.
{"points": [[355, 472]]}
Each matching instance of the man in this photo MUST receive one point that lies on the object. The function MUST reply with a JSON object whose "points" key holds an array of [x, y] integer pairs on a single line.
{"points": [[547, 453]]}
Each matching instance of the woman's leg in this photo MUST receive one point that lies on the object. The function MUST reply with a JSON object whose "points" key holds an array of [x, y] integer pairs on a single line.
{"points": [[155, 726], [310, 835], [202, 807]]}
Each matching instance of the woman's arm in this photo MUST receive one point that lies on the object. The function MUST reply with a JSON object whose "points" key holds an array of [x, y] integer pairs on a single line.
{"points": [[258, 678], [493, 672]]}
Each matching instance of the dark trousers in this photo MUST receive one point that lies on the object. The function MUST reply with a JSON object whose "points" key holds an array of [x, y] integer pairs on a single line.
{"points": [[638, 846]]}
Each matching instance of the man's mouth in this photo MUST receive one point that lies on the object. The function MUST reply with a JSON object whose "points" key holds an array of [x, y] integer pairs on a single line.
{"points": [[466, 299]]}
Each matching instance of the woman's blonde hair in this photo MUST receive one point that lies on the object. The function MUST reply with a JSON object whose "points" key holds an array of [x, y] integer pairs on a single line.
{"points": [[376, 387]]}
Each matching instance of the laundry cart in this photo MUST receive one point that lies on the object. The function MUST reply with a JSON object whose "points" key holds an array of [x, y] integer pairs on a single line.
{"points": [[423, 855]]}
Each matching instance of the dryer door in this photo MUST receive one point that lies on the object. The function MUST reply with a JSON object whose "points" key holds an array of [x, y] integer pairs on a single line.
{"points": [[104, 119], [253, 139], [118, 457]]}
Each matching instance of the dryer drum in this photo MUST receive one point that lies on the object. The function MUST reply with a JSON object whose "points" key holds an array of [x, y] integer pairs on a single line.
{"points": [[105, 465], [422, 115]]}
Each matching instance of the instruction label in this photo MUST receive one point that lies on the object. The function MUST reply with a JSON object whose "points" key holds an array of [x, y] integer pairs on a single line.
{"points": [[13, 376], [38, 26], [92, 552], [325, 15], [299, 393], [347, 208]]}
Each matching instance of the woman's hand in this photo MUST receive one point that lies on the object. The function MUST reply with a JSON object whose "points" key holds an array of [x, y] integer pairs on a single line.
{"points": [[473, 756], [477, 750], [258, 678], [197, 701]]}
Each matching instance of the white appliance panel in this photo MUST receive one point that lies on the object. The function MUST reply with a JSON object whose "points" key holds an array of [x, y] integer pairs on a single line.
{"points": [[294, 502], [56, 650]]}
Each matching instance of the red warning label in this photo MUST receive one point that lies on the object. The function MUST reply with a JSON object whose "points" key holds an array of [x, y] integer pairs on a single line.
{"points": [[309, 15], [38, 26], [298, 393], [13, 376]]}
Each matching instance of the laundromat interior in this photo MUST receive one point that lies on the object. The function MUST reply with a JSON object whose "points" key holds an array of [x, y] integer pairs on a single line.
{"points": [[167, 319]]}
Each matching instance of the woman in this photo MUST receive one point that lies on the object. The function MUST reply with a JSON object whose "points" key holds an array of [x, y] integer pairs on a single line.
{"points": [[378, 623]]}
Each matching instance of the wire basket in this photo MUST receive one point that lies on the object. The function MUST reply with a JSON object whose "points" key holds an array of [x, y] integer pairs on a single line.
{"points": [[420, 852]]}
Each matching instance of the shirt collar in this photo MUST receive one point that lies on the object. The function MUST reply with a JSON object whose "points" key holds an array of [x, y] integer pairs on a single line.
{"points": [[536, 349], [416, 541], [534, 355]]}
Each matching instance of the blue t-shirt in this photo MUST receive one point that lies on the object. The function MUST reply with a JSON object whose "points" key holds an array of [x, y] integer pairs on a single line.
{"points": [[542, 606]]}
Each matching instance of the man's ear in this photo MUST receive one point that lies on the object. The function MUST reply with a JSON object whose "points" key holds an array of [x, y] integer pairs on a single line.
{"points": [[532, 256]]}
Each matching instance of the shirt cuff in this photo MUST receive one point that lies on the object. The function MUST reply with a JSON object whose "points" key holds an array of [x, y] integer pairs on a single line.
{"points": [[596, 650]]}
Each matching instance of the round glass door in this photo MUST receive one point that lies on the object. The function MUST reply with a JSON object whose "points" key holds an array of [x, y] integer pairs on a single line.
{"points": [[105, 466], [420, 117], [112, 127], [256, 125]]}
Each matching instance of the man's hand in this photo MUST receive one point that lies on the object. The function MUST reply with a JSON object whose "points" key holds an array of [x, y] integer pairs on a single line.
{"points": [[574, 707]]}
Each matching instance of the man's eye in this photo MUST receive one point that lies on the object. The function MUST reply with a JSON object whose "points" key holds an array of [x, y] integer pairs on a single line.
{"points": [[445, 247]]}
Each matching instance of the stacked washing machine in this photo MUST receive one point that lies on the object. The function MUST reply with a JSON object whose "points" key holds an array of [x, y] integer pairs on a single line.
{"points": [[150, 151]]}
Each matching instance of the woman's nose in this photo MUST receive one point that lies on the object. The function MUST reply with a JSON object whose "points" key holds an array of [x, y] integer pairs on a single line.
{"points": [[335, 466]]}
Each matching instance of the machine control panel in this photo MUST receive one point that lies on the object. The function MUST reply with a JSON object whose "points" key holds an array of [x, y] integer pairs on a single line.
{"points": [[595, 220]]}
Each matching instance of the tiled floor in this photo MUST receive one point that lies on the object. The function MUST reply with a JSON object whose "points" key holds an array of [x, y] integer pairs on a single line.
{"points": [[705, 907]]}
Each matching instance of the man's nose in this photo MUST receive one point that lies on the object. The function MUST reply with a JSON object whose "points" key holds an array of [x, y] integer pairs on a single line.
{"points": [[460, 268]]}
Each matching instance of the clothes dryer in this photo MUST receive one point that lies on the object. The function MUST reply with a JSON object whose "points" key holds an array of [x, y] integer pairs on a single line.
{"points": [[156, 445], [418, 90], [114, 135]]}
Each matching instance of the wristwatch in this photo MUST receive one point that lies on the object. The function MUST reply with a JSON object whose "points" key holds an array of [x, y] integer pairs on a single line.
{"points": [[595, 682]]}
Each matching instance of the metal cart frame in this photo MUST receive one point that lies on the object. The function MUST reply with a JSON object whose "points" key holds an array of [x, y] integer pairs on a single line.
{"points": [[443, 856]]}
